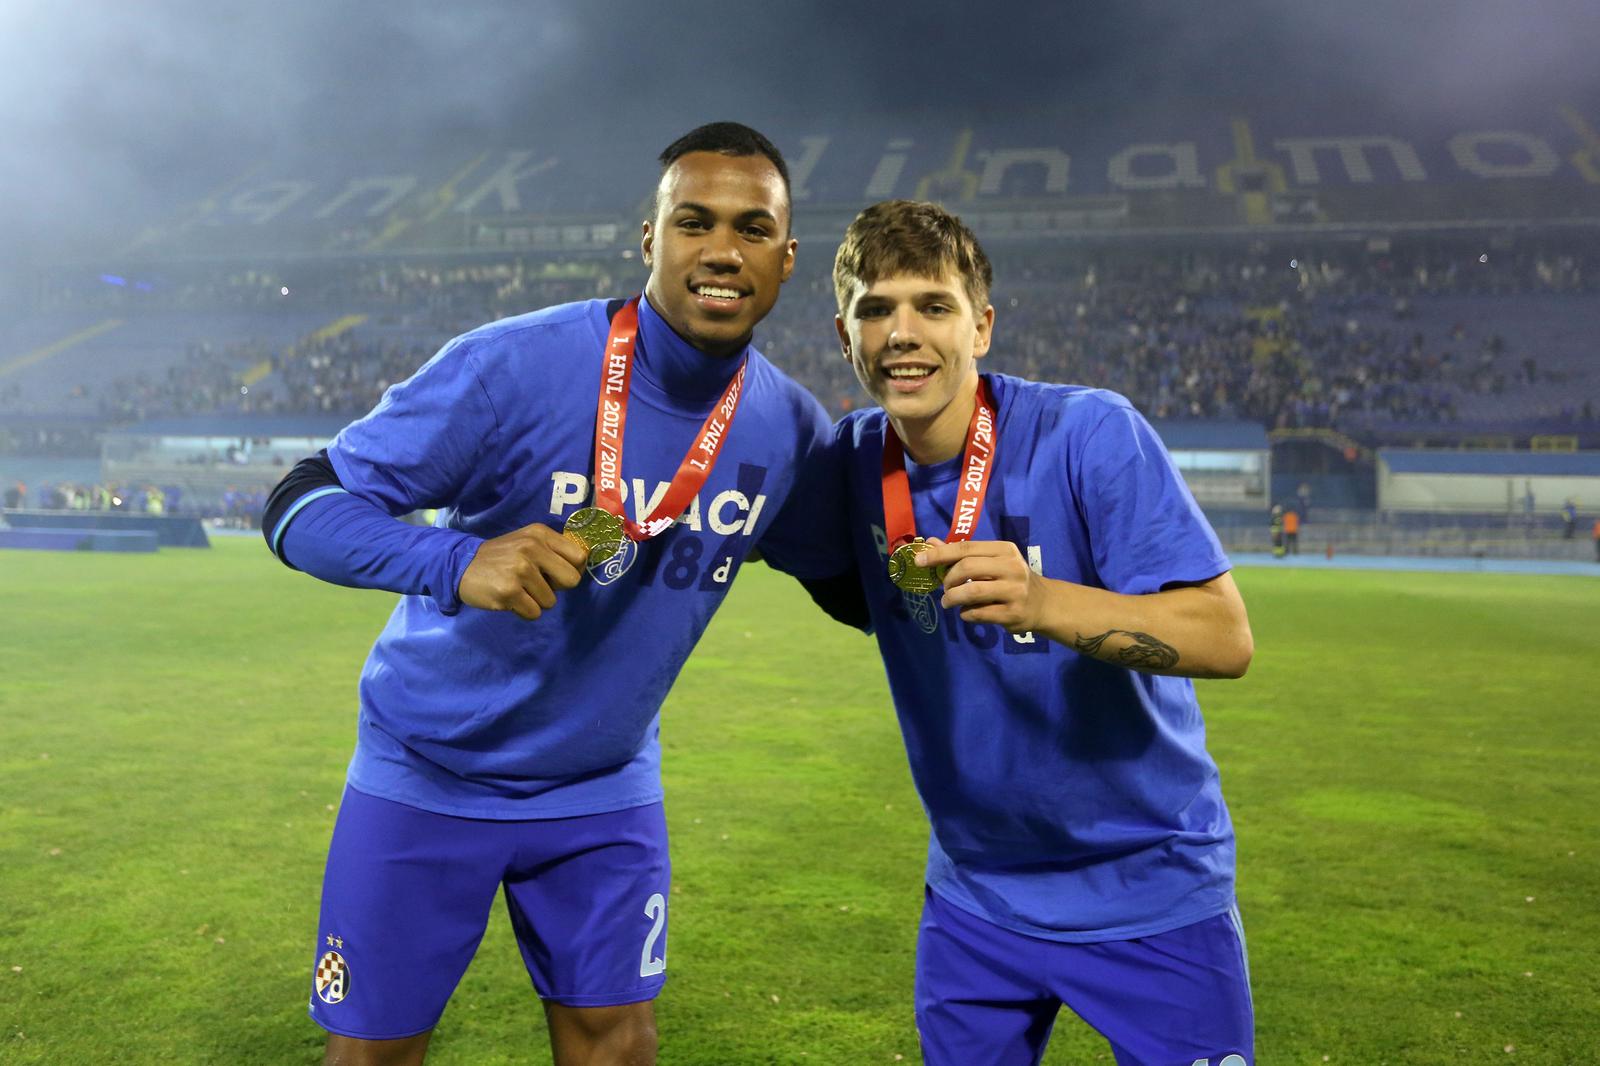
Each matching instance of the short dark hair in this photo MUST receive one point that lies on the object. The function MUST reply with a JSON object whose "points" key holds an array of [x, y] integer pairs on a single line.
{"points": [[910, 237], [725, 138]]}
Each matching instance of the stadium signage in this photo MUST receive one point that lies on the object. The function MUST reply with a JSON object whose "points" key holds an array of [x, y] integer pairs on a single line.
{"points": [[1221, 157]]}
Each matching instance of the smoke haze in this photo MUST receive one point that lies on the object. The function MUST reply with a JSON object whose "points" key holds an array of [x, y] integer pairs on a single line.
{"points": [[114, 110]]}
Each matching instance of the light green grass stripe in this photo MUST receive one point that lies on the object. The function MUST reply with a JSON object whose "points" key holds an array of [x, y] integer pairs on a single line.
{"points": [[1409, 765]]}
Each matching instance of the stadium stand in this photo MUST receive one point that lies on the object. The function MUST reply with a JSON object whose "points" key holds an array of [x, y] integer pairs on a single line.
{"points": [[144, 361], [1332, 345], [1324, 338]]}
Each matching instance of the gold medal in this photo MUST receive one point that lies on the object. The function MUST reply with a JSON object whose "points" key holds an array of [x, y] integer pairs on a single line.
{"points": [[604, 528], [899, 518], [908, 576], [598, 530]]}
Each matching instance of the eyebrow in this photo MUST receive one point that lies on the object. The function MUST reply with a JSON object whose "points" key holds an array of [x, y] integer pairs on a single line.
{"points": [[925, 294], [744, 216]]}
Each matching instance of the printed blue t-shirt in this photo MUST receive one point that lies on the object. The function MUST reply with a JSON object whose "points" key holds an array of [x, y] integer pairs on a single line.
{"points": [[1069, 798], [483, 714]]}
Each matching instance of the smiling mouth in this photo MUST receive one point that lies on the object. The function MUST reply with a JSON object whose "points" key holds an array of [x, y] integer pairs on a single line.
{"points": [[717, 297], [907, 379]]}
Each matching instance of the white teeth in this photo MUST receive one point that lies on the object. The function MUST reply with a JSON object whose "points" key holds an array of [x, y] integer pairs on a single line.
{"points": [[720, 294], [909, 371]]}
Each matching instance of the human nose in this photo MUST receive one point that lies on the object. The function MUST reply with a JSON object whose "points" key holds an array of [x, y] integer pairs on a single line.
{"points": [[721, 252], [903, 331]]}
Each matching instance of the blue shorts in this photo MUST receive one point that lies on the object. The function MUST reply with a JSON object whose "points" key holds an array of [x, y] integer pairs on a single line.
{"points": [[986, 994], [407, 894]]}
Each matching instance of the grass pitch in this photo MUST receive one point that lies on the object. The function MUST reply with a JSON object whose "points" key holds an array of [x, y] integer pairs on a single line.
{"points": [[1411, 765]]}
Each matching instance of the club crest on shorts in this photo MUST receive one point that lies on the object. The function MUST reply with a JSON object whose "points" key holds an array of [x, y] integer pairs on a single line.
{"points": [[606, 572], [333, 977]]}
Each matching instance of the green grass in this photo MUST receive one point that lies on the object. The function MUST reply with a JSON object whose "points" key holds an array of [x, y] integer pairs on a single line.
{"points": [[1411, 765]]}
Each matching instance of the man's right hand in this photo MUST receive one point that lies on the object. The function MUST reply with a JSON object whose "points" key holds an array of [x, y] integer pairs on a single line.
{"points": [[522, 570]]}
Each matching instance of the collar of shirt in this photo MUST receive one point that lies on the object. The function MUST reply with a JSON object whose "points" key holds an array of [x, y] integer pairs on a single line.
{"points": [[683, 374]]}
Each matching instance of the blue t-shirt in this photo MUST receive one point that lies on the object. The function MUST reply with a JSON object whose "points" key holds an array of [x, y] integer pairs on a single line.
{"points": [[1069, 798], [483, 714]]}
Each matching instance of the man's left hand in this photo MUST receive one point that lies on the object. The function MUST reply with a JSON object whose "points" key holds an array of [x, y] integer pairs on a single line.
{"points": [[989, 581]]}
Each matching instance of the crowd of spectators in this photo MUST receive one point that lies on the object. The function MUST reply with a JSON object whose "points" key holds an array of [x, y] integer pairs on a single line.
{"points": [[1302, 341], [342, 373], [236, 506], [1272, 338], [205, 379], [1328, 337]]}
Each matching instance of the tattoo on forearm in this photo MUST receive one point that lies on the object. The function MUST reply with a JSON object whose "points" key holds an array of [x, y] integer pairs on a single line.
{"points": [[1145, 653]]}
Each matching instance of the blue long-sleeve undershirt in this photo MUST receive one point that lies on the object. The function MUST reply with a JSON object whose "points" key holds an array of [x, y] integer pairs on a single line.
{"points": [[342, 538]]}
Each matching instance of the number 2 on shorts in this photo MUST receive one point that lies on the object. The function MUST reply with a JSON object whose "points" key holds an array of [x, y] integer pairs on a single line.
{"points": [[656, 908]]}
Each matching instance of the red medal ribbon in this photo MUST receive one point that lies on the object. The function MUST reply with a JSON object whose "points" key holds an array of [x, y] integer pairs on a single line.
{"points": [[977, 461], [611, 417]]}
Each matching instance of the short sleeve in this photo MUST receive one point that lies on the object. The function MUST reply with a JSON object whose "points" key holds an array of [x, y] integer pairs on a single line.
{"points": [[809, 538], [1145, 530], [424, 441]]}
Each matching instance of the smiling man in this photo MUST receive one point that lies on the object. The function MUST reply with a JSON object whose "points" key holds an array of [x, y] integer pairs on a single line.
{"points": [[1042, 587], [626, 455]]}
